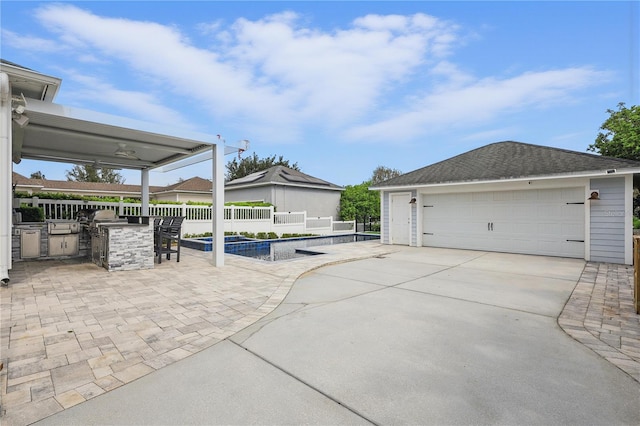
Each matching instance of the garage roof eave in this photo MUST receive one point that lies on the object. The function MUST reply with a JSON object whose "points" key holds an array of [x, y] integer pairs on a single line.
{"points": [[585, 174]]}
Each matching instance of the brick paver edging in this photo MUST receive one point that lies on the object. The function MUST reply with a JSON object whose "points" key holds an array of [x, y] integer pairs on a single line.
{"points": [[600, 315]]}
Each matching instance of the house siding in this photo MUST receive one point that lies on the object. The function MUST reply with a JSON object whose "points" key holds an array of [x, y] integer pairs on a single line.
{"points": [[607, 225], [316, 202]]}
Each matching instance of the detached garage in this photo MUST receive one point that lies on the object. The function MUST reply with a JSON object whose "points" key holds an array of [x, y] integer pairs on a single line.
{"points": [[517, 198]]}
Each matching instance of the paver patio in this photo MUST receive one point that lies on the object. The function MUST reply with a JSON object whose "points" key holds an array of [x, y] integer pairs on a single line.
{"points": [[71, 331]]}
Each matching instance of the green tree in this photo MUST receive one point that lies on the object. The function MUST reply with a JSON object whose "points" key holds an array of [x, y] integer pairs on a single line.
{"points": [[90, 173], [357, 202], [237, 169], [382, 173], [37, 175], [620, 134]]}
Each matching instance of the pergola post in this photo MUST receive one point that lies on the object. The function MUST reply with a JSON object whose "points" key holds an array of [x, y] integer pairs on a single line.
{"points": [[144, 181], [218, 204]]}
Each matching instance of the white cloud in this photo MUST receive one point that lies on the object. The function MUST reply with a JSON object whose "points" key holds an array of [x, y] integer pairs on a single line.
{"points": [[384, 77], [141, 105], [29, 43], [479, 102]]}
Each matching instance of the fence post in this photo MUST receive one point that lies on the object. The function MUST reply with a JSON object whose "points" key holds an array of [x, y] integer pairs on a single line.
{"points": [[272, 219], [121, 207], [636, 273]]}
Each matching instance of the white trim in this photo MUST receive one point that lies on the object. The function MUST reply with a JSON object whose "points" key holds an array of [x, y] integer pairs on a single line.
{"points": [[576, 175], [257, 185], [419, 224], [587, 222], [628, 220], [398, 194], [52, 83]]}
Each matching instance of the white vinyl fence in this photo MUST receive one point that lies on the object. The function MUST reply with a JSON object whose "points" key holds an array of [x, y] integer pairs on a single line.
{"points": [[198, 219]]}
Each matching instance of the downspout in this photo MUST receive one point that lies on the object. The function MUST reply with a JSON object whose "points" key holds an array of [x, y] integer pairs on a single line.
{"points": [[5, 179]]}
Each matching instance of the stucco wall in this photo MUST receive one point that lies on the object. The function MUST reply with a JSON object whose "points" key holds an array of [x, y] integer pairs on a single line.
{"points": [[183, 197]]}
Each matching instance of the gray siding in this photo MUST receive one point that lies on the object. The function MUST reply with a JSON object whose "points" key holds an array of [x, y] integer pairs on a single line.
{"points": [[248, 194], [316, 202], [608, 218]]}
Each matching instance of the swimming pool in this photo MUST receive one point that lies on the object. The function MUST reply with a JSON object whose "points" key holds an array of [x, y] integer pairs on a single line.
{"points": [[275, 250]]}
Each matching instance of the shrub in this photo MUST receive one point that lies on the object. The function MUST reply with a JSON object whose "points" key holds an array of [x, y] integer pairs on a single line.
{"points": [[248, 204], [31, 214], [636, 223], [287, 235]]}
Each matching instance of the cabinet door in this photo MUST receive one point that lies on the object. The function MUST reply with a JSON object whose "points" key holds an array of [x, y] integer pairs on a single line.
{"points": [[56, 245], [71, 245], [63, 245]]}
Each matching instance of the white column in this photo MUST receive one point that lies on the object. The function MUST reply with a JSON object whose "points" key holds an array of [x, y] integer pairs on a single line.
{"points": [[6, 201], [218, 204], [144, 196]]}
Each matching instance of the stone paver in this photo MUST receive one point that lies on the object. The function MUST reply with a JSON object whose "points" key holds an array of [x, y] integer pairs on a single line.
{"points": [[600, 315], [70, 331]]}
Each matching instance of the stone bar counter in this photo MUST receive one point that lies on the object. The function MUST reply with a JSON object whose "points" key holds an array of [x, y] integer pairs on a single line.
{"points": [[124, 246]]}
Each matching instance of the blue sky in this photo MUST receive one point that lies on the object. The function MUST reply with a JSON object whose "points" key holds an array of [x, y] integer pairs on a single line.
{"points": [[337, 87]]}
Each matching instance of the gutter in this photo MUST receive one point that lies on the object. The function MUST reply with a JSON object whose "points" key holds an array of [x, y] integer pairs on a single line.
{"points": [[586, 174], [5, 178]]}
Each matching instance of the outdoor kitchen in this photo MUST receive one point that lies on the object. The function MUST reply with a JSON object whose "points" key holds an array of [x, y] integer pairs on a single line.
{"points": [[109, 241]]}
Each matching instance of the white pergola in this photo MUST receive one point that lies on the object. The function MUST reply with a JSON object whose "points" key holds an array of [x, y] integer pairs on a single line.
{"points": [[34, 127]]}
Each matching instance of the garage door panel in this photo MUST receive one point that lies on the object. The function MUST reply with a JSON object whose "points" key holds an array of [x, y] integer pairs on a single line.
{"points": [[524, 221]]}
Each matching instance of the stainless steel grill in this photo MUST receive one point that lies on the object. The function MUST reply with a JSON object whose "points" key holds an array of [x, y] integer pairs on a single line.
{"points": [[98, 233]]}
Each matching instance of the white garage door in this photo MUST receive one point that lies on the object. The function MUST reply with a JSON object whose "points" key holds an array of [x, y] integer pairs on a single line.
{"points": [[544, 221]]}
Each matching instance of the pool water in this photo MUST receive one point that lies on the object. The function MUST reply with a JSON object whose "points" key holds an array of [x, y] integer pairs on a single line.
{"points": [[275, 250]]}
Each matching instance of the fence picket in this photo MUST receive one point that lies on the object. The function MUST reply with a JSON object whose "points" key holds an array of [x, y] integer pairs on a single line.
{"points": [[198, 218]]}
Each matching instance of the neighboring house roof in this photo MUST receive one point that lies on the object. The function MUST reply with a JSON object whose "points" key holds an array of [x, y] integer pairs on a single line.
{"points": [[280, 175], [194, 184], [95, 188], [508, 160]]}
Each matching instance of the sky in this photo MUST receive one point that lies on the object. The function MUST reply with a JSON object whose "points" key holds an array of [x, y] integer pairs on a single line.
{"points": [[336, 87]]}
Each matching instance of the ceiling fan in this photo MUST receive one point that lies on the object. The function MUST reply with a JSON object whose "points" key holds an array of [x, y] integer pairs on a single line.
{"points": [[122, 151]]}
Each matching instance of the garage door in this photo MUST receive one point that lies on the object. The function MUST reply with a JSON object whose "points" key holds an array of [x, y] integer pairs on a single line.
{"points": [[544, 221]]}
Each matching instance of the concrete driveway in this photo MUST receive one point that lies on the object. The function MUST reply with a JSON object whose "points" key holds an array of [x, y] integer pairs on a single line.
{"points": [[419, 336]]}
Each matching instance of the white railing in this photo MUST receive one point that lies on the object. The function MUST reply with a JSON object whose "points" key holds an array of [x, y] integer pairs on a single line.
{"points": [[198, 218]]}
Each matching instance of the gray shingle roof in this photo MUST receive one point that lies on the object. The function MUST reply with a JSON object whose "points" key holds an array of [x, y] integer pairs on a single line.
{"points": [[280, 175], [508, 160]]}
